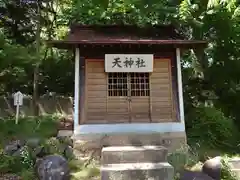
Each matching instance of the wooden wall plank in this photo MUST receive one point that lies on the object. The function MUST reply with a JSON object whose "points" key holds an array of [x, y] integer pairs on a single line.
{"points": [[161, 92], [96, 92]]}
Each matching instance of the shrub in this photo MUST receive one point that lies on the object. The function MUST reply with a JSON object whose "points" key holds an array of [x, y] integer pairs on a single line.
{"points": [[209, 127], [182, 158], [15, 164], [53, 146]]}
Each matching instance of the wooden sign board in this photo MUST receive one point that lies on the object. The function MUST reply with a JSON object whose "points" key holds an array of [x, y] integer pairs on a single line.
{"points": [[128, 62], [18, 99]]}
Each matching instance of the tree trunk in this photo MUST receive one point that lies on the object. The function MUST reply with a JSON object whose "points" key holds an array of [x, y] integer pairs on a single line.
{"points": [[36, 67]]}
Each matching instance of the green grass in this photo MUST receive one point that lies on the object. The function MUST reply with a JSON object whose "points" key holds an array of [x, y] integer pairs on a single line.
{"points": [[41, 127], [80, 172]]}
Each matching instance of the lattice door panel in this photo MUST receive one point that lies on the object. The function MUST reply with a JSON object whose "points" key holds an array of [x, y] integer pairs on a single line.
{"points": [[117, 100], [140, 91]]}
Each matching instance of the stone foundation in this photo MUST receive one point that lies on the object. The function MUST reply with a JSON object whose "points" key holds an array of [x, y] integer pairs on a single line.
{"points": [[170, 140]]}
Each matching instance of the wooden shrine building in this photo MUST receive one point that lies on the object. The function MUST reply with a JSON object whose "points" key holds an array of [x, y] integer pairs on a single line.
{"points": [[128, 83]]}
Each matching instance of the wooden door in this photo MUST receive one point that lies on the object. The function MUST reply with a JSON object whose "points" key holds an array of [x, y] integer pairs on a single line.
{"points": [[128, 97], [117, 98], [139, 97]]}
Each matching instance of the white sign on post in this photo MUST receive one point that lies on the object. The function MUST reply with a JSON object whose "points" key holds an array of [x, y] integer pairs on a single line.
{"points": [[128, 62], [18, 101]]}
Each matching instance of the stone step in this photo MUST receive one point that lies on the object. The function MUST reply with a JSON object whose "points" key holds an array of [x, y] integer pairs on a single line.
{"points": [[138, 171], [133, 154], [236, 172], [234, 163]]}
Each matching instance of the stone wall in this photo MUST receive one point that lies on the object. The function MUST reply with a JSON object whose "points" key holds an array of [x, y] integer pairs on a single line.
{"points": [[47, 105]]}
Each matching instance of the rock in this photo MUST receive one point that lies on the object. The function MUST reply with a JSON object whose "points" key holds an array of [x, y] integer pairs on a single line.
{"points": [[13, 147], [68, 152], [19, 151], [54, 167], [62, 147], [65, 140], [191, 175], [33, 142], [39, 152], [65, 123], [10, 149], [212, 168]]}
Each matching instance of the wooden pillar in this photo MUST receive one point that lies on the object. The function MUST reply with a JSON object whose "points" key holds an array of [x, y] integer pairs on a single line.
{"points": [[180, 89], [76, 89], [82, 90]]}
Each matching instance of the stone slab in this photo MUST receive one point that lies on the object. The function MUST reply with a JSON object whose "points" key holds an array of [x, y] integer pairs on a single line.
{"points": [[138, 171], [236, 172], [65, 133], [234, 163], [134, 154]]}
